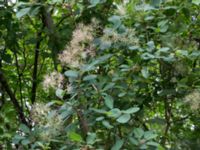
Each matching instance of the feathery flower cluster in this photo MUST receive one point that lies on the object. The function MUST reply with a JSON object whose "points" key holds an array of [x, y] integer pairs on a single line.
{"points": [[53, 80], [47, 121], [121, 10], [127, 38], [193, 99], [79, 48], [39, 111]]}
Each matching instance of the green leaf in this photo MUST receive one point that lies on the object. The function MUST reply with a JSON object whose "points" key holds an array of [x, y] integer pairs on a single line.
{"points": [[57, 1], [66, 112], [88, 67], [7, 135], [162, 23], [133, 141], [107, 124], [99, 60], [138, 132], [194, 54], [197, 2], [151, 46], [149, 18], [91, 138], [115, 20], [181, 53], [122, 94], [24, 128], [102, 59], [115, 113], [101, 111], [149, 135], [118, 145], [71, 73], [156, 3], [108, 86], [147, 56], [124, 118], [25, 142], [55, 102], [131, 110], [89, 77], [17, 139], [105, 45], [109, 102], [170, 58], [60, 93], [100, 118], [35, 10], [163, 29], [94, 3], [23, 12], [133, 48], [143, 146], [145, 72], [75, 137], [164, 49], [151, 143]]}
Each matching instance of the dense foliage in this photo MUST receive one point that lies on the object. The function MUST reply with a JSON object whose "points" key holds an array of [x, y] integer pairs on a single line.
{"points": [[100, 74]]}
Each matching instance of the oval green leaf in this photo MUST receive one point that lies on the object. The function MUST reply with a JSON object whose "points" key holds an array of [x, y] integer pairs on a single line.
{"points": [[124, 118]]}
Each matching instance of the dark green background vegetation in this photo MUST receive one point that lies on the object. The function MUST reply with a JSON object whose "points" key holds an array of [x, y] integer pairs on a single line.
{"points": [[100, 74]]}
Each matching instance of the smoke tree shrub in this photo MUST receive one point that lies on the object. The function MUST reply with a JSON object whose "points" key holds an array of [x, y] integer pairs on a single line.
{"points": [[104, 75]]}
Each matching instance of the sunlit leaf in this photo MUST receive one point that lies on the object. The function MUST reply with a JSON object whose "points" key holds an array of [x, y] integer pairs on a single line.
{"points": [[197, 2], [91, 138], [118, 145], [138, 132], [71, 73], [152, 143], [149, 135], [115, 113], [109, 102], [89, 77], [115, 20], [133, 141], [94, 3], [100, 118], [25, 142], [75, 137], [124, 118], [145, 72], [107, 124], [60, 93], [24, 128], [131, 110], [23, 12]]}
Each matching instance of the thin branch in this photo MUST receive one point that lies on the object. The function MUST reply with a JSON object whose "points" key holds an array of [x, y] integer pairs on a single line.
{"points": [[62, 19], [66, 15], [13, 99], [82, 122], [41, 66], [54, 41], [19, 80], [1, 89], [35, 69], [24, 56], [167, 118]]}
